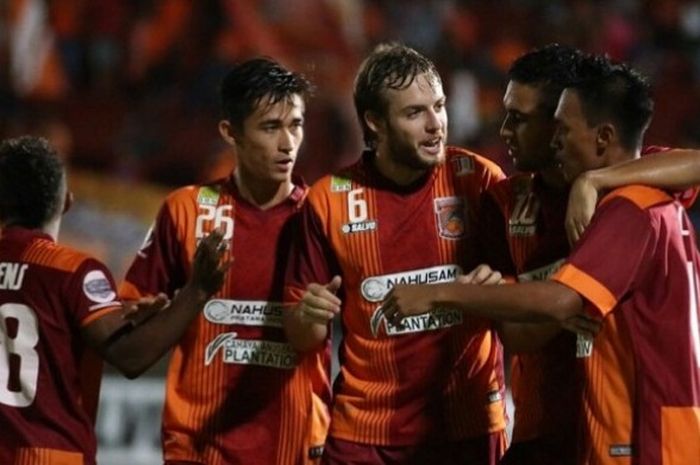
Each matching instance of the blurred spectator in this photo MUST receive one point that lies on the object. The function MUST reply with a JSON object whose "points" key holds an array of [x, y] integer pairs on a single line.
{"points": [[133, 82]]}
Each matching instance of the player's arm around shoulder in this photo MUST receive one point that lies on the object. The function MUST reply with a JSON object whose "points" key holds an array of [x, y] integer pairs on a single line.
{"points": [[133, 347]]}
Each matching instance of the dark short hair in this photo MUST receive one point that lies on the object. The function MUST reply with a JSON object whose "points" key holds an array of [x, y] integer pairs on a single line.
{"points": [[31, 182], [389, 66], [247, 83], [551, 68], [611, 91]]}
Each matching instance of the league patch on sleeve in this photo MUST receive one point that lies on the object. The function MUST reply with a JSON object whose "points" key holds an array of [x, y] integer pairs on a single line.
{"points": [[97, 287]]}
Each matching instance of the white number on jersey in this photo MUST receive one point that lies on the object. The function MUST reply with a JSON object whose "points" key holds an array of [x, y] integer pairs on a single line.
{"points": [[357, 206], [21, 345], [221, 216]]}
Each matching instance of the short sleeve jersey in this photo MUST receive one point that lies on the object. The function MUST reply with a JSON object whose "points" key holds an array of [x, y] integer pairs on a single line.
{"points": [[439, 375], [48, 292], [523, 235], [637, 267], [236, 390]]}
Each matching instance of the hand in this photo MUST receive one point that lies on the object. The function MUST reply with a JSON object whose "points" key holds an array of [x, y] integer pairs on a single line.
{"points": [[583, 324], [582, 202], [138, 311], [405, 300], [208, 268], [482, 274], [319, 304]]}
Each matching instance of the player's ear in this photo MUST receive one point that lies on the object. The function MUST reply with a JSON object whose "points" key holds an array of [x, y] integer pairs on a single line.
{"points": [[606, 135], [374, 122], [227, 132], [68, 202]]}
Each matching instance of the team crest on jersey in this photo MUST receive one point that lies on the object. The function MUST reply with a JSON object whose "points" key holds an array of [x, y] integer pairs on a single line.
{"points": [[451, 217], [97, 287], [523, 219], [340, 184], [208, 195], [463, 165]]}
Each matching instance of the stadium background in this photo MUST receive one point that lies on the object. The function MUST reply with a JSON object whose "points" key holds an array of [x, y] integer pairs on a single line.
{"points": [[127, 91]]}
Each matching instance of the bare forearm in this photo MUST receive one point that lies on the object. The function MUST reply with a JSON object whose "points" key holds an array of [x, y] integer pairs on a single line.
{"points": [[536, 302], [676, 169], [136, 348], [303, 335]]}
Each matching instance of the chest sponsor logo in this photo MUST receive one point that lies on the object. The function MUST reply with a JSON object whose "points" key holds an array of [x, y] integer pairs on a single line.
{"points": [[431, 321], [244, 312], [541, 274], [451, 217], [97, 287], [375, 288], [340, 184], [463, 165], [250, 352], [584, 346], [523, 219]]}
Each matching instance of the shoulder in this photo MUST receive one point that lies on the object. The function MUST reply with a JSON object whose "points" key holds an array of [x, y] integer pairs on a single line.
{"points": [[47, 253], [641, 197], [208, 193], [342, 181]]}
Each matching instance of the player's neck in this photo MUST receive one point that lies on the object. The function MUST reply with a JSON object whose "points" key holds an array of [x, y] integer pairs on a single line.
{"points": [[618, 154], [262, 194], [51, 228], [399, 173], [553, 178]]}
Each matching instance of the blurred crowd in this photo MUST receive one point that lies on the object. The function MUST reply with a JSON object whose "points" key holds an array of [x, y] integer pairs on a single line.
{"points": [[129, 87]]}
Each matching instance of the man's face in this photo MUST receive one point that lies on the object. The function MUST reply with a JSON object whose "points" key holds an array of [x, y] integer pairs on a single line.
{"points": [[414, 129], [269, 141], [574, 141], [527, 129]]}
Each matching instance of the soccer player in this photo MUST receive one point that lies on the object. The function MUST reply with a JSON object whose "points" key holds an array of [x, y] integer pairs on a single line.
{"points": [[55, 302], [522, 234], [430, 390], [636, 268], [236, 391]]}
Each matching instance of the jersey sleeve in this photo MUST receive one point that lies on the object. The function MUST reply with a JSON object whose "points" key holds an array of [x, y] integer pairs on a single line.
{"points": [[158, 266], [91, 292], [311, 258], [607, 259]]}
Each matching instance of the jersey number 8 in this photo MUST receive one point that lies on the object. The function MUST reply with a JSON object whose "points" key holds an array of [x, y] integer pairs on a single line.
{"points": [[18, 345]]}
